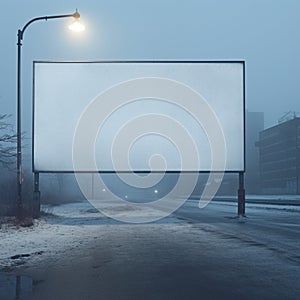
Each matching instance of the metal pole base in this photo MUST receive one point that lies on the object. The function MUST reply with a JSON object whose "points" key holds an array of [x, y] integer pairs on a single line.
{"points": [[241, 196], [241, 202], [36, 197]]}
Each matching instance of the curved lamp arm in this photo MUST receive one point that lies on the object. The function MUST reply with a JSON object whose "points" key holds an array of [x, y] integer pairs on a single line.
{"points": [[75, 15]]}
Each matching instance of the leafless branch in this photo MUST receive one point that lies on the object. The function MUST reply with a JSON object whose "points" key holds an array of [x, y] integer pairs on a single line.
{"points": [[8, 139]]}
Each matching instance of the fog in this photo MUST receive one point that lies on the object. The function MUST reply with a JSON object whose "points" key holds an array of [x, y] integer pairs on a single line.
{"points": [[263, 33], [244, 244]]}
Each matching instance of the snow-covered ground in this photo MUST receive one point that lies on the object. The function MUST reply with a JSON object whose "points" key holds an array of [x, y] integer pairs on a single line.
{"points": [[75, 252]]}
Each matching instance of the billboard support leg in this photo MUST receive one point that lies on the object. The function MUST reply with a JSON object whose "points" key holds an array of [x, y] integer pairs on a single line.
{"points": [[36, 196], [241, 196]]}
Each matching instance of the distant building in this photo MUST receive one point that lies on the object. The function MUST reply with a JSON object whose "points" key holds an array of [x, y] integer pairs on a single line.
{"points": [[254, 125], [279, 158]]}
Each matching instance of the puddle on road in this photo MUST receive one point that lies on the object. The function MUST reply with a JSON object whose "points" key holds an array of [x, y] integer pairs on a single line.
{"points": [[14, 287]]}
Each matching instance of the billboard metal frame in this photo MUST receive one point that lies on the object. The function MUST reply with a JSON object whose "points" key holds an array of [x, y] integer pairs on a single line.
{"points": [[241, 188], [144, 62]]}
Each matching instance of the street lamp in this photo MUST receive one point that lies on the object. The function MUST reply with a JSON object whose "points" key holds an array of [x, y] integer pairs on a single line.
{"points": [[75, 26]]}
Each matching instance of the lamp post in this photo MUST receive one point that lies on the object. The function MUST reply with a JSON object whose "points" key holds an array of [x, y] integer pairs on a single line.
{"points": [[75, 26]]}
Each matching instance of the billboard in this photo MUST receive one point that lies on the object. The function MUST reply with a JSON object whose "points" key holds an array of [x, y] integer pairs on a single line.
{"points": [[139, 116]]}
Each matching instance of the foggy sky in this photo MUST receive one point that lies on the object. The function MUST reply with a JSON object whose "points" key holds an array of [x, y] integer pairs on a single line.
{"points": [[263, 32]]}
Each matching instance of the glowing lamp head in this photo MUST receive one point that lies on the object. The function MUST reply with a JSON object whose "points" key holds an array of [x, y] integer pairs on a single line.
{"points": [[76, 25]]}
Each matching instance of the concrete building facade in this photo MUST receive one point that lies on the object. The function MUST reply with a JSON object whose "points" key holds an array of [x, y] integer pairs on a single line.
{"points": [[279, 158]]}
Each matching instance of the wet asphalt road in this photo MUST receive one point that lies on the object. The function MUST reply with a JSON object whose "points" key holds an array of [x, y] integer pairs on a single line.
{"points": [[193, 254]]}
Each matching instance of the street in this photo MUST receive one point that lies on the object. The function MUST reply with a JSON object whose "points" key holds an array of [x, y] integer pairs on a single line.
{"points": [[193, 254]]}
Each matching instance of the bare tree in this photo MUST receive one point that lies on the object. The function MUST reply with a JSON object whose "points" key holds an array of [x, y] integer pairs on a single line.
{"points": [[8, 139]]}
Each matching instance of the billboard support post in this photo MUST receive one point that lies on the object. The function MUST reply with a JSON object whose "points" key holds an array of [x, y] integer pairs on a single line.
{"points": [[36, 196], [241, 195]]}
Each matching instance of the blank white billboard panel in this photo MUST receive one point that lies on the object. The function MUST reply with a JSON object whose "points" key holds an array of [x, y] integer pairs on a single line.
{"points": [[138, 116]]}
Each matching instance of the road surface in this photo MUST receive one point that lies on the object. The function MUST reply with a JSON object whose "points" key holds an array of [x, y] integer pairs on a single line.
{"points": [[77, 253]]}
